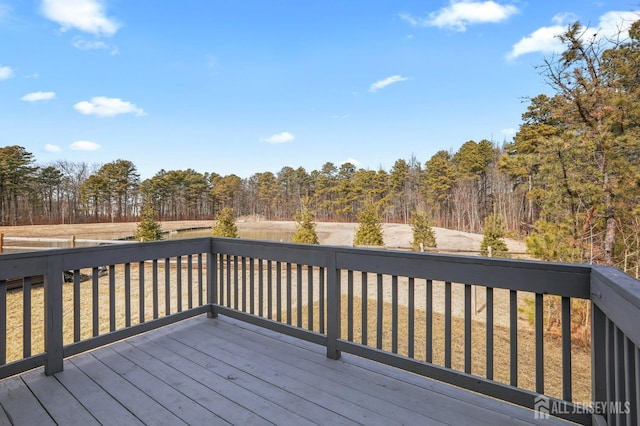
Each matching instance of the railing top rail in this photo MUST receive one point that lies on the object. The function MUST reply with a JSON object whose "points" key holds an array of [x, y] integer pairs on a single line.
{"points": [[15, 265], [569, 280]]}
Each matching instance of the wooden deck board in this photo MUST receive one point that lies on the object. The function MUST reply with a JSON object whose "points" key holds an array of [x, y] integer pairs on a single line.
{"points": [[256, 395], [21, 405], [106, 410], [312, 399], [198, 392], [378, 379], [354, 403], [61, 405], [118, 388], [225, 371]]}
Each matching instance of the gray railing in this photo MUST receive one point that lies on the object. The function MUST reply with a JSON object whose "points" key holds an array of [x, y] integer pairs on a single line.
{"points": [[462, 320]]}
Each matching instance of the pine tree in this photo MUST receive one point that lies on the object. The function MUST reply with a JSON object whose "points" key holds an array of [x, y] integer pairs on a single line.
{"points": [[148, 229], [369, 231], [305, 228], [423, 235], [226, 224], [494, 237]]}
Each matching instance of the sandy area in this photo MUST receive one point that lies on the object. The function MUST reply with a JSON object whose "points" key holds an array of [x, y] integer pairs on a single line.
{"points": [[330, 233]]}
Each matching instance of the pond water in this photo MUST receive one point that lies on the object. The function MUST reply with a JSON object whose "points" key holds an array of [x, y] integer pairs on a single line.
{"points": [[268, 235]]}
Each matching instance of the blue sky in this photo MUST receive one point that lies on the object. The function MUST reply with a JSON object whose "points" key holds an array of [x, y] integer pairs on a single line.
{"points": [[252, 86]]}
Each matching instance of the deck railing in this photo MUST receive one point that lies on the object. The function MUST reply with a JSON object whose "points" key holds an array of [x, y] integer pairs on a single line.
{"points": [[462, 320]]}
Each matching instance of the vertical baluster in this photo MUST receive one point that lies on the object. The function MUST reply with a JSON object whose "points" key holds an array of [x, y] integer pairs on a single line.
{"points": [[288, 289], [364, 294], [566, 349], [127, 295], [236, 296], [350, 305], [636, 352], [627, 378], [513, 337], [429, 321], [334, 309], [26, 316], [269, 290], [252, 286], [321, 293], [228, 257], [190, 281], [154, 284], [609, 359], [212, 285], [310, 298], [411, 319], [223, 295], [260, 288], [3, 322], [489, 308], [76, 305], [179, 283], [617, 374], [141, 297], [394, 314], [279, 291], [95, 302], [167, 286], [299, 293], [243, 261], [467, 328], [379, 303], [447, 324], [539, 343], [112, 297], [200, 280]]}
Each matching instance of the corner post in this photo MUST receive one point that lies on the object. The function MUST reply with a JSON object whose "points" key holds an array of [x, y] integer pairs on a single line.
{"points": [[53, 341], [212, 281], [333, 305]]}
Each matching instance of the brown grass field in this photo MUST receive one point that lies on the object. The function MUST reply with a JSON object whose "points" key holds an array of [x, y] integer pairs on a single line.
{"points": [[526, 343]]}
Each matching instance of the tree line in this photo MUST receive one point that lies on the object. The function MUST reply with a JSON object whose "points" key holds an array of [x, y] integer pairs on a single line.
{"points": [[569, 181]]}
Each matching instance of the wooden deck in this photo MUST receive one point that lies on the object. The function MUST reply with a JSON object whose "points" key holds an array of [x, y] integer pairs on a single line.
{"points": [[222, 371]]}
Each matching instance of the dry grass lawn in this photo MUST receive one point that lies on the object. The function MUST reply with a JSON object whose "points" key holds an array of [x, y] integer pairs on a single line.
{"points": [[526, 346]]}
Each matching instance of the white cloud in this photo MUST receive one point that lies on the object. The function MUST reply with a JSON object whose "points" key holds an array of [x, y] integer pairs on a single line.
{"points": [[52, 148], [612, 25], [82, 44], [107, 107], [387, 81], [38, 96], [280, 138], [351, 161], [461, 13], [508, 132], [564, 18], [83, 15], [5, 72], [615, 23], [84, 146], [544, 40]]}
